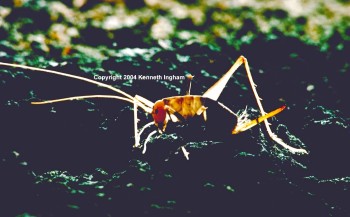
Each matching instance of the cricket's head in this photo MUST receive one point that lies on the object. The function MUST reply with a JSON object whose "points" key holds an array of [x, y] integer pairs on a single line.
{"points": [[159, 115]]}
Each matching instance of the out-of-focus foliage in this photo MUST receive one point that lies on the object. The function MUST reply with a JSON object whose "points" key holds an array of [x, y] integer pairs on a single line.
{"points": [[59, 26]]}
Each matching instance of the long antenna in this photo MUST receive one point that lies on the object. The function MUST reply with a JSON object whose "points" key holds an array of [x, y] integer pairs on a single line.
{"points": [[143, 106], [69, 76]]}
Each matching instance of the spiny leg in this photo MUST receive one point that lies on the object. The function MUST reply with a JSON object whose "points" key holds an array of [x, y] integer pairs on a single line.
{"points": [[215, 91], [267, 124]]}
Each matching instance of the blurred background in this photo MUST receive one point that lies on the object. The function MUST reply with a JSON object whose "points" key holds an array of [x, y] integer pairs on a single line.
{"points": [[59, 26]]}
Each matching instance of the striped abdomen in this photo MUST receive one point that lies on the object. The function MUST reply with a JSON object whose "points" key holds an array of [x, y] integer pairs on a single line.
{"points": [[187, 106]]}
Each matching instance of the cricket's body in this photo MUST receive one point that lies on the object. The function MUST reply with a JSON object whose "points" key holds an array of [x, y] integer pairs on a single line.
{"points": [[187, 106], [184, 109]]}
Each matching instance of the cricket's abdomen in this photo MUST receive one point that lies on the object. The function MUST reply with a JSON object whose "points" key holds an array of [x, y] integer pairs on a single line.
{"points": [[187, 106]]}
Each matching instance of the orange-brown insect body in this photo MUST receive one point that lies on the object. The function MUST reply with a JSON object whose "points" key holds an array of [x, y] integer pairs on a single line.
{"points": [[184, 108], [187, 106], [175, 108]]}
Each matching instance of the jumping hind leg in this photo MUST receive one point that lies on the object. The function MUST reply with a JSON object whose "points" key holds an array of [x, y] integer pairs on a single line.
{"points": [[215, 91]]}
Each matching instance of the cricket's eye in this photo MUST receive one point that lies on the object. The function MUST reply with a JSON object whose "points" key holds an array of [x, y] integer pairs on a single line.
{"points": [[159, 112]]}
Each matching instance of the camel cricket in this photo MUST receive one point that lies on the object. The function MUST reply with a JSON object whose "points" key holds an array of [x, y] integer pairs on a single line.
{"points": [[180, 109]]}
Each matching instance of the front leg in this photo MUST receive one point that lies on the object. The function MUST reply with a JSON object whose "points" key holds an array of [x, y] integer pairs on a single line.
{"points": [[147, 106], [136, 134]]}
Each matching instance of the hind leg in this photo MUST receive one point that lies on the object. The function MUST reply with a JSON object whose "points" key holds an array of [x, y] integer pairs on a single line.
{"points": [[215, 91], [272, 135]]}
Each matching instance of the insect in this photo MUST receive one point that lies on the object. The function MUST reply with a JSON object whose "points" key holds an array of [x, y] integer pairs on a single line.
{"points": [[181, 109]]}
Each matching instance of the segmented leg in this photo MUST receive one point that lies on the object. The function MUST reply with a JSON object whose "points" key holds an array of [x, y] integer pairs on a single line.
{"points": [[136, 134], [147, 140], [215, 91], [144, 127], [138, 100], [185, 152]]}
